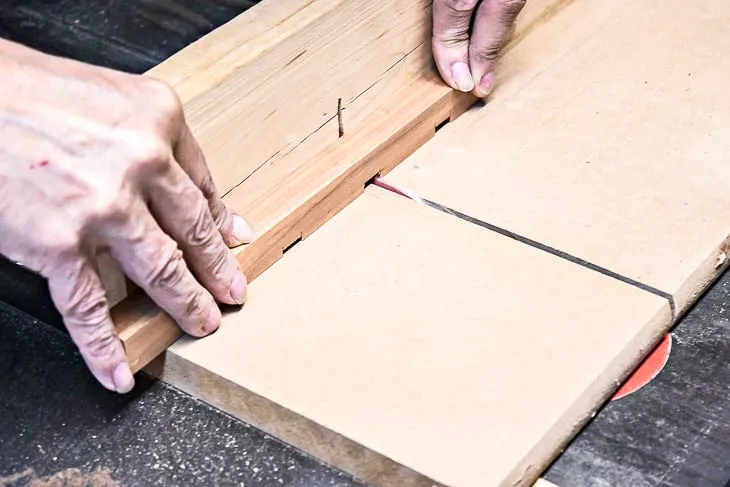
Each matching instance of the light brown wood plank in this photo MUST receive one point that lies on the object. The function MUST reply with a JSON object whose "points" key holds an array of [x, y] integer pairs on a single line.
{"points": [[410, 347], [255, 102], [618, 153], [259, 87]]}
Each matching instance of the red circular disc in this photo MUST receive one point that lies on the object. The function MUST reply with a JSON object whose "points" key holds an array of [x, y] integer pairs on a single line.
{"points": [[648, 370]]}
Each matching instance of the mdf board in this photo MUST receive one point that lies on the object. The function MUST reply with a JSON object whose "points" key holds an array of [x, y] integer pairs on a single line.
{"points": [[618, 153], [409, 347]]}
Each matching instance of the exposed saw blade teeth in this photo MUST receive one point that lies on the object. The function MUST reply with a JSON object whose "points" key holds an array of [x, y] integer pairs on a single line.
{"points": [[401, 191]]}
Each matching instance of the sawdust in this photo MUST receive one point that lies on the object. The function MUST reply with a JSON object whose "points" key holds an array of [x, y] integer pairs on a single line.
{"points": [[71, 477]]}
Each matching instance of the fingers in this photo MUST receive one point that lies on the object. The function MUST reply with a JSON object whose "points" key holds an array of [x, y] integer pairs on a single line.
{"points": [[78, 293], [451, 20], [183, 213], [153, 261], [234, 229], [492, 24], [465, 60]]}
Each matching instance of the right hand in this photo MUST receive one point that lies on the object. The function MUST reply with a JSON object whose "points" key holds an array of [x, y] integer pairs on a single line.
{"points": [[468, 36], [94, 159]]}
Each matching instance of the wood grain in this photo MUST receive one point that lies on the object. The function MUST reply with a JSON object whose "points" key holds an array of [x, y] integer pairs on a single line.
{"points": [[258, 88]]}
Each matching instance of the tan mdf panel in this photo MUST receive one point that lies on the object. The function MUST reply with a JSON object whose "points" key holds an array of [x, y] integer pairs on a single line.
{"points": [[410, 347], [618, 153]]}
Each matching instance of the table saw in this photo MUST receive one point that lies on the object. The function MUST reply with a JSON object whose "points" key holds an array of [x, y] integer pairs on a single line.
{"points": [[671, 431]]}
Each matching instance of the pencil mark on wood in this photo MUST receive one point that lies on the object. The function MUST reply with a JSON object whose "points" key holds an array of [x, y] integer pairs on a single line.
{"points": [[296, 57], [340, 123]]}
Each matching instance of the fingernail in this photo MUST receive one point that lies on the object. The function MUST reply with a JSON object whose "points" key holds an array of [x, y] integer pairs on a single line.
{"points": [[462, 77], [487, 84], [213, 321], [123, 378], [238, 288], [242, 230]]}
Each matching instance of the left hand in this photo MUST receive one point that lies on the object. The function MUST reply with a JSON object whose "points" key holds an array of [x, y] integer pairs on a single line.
{"points": [[466, 63]]}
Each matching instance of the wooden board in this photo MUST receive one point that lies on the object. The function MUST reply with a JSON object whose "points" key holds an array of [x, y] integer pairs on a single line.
{"points": [[617, 153], [247, 96], [261, 93], [410, 347]]}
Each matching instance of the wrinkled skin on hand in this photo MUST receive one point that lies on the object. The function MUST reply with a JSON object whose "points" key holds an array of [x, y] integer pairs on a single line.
{"points": [[96, 160], [465, 60]]}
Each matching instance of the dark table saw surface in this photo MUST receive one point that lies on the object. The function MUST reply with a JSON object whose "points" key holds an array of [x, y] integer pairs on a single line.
{"points": [[55, 419]]}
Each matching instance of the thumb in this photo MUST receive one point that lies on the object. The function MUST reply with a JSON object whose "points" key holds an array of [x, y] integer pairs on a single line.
{"points": [[450, 42], [78, 293], [492, 25]]}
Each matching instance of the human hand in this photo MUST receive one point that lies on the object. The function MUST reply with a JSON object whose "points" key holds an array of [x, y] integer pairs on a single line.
{"points": [[466, 62], [97, 160]]}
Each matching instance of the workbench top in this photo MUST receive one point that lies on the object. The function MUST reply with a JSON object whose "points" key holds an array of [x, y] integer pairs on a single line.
{"points": [[674, 431]]}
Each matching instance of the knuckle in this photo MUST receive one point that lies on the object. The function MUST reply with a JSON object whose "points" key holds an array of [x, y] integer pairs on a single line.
{"points": [[195, 305], [452, 19], [207, 186], [200, 232], [220, 214], [67, 245], [205, 238], [86, 302], [58, 256], [167, 271], [453, 38], [105, 207], [511, 8], [218, 262], [460, 5], [98, 340], [487, 52], [166, 101], [218, 211], [150, 148], [147, 151], [88, 323]]}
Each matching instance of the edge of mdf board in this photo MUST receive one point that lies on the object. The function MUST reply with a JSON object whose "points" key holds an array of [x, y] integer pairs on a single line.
{"points": [[376, 469], [298, 431], [699, 282], [316, 190]]}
